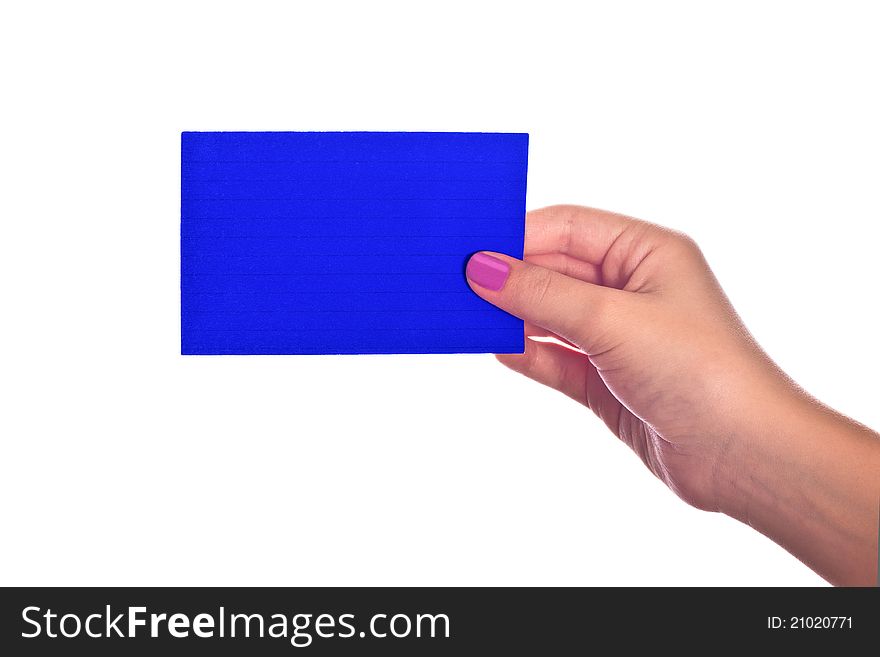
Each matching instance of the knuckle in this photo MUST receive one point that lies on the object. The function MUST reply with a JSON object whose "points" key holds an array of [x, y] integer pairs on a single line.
{"points": [[686, 243], [541, 285], [679, 245]]}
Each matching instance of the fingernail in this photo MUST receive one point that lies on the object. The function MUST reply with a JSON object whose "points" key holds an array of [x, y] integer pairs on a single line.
{"points": [[487, 271]]}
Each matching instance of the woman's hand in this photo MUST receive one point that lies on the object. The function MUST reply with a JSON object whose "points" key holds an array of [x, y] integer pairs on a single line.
{"points": [[667, 364]]}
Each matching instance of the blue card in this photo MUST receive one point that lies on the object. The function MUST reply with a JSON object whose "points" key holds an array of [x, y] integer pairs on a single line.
{"points": [[346, 242]]}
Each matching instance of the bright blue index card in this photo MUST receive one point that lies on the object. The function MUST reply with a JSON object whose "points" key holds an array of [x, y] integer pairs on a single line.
{"points": [[346, 242]]}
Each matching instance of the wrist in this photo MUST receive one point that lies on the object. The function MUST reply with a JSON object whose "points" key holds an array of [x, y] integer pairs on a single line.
{"points": [[768, 442], [809, 479]]}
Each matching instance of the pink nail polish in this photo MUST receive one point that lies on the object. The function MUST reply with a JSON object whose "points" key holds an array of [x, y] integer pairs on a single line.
{"points": [[487, 272]]}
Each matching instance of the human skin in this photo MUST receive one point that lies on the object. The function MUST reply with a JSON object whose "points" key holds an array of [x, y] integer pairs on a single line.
{"points": [[670, 368]]}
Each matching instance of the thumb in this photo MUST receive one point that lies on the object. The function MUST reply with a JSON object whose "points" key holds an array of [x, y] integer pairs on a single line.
{"points": [[573, 309]]}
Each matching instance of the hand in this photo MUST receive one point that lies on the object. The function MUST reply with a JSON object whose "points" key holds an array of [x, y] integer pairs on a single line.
{"points": [[667, 364]]}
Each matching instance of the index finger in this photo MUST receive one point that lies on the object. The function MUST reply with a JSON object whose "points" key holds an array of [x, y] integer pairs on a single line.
{"points": [[583, 233]]}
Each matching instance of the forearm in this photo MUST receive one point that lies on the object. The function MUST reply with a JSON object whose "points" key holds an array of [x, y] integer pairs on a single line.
{"points": [[809, 479]]}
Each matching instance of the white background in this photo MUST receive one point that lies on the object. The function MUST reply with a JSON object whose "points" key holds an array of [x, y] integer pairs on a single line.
{"points": [[752, 127]]}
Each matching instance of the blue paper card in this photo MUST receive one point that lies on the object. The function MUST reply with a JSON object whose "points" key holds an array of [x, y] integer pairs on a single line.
{"points": [[346, 242]]}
